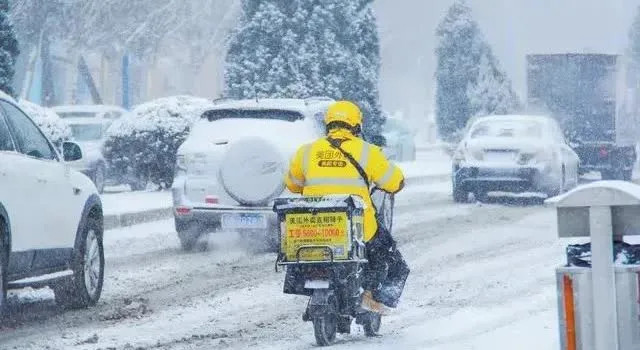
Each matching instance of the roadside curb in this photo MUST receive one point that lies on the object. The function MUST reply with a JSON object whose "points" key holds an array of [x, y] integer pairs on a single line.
{"points": [[425, 179], [440, 146], [113, 221]]}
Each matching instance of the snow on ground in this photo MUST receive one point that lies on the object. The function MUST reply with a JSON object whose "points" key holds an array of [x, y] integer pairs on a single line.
{"points": [[482, 278], [429, 162], [126, 202]]}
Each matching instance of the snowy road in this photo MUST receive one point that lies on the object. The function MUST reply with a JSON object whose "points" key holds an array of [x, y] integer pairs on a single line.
{"points": [[482, 278]]}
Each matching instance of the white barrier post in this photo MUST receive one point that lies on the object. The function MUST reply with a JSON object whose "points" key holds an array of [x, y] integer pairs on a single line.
{"points": [[599, 306], [603, 279]]}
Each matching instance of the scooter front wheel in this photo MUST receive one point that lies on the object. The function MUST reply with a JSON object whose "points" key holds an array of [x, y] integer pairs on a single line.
{"points": [[325, 328], [371, 324]]}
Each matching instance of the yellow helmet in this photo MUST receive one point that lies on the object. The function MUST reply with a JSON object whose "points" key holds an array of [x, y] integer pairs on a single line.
{"points": [[344, 111]]}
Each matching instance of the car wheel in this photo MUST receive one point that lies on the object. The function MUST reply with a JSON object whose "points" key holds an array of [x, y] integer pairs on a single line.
{"points": [[560, 187], [190, 238], [4, 262], [627, 174], [259, 242], [575, 179], [459, 194], [481, 196], [607, 175], [85, 286], [99, 178]]}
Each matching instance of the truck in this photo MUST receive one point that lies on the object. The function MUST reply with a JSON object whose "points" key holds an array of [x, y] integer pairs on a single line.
{"points": [[594, 99]]}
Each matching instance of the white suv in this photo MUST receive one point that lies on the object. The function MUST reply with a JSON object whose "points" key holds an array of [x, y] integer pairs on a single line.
{"points": [[232, 166], [51, 221]]}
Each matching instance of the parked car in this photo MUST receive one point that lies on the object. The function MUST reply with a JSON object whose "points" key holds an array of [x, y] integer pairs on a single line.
{"points": [[399, 140], [513, 153], [89, 134], [232, 166], [89, 111], [51, 221]]}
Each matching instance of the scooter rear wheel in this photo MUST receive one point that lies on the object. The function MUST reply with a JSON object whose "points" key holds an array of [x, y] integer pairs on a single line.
{"points": [[371, 324], [325, 328]]}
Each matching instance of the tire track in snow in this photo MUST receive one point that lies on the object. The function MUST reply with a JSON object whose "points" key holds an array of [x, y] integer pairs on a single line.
{"points": [[201, 299]]}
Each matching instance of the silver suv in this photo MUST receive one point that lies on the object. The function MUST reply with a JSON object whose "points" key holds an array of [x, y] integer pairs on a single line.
{"points": [[232, 166]]}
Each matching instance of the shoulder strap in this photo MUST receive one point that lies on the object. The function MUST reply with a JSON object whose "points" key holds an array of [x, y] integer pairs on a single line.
{"points": [[363, 174]]}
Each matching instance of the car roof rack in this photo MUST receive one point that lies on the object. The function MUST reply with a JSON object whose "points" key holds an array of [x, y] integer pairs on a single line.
{"points": [[312, 99], [220, 99]]}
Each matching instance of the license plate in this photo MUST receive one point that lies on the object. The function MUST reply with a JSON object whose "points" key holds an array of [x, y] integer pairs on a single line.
{"points": [[499, 157], [244, 221], [316, 284]]}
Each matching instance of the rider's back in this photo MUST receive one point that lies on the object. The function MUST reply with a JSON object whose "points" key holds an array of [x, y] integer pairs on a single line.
{"points": [[320, 169]]}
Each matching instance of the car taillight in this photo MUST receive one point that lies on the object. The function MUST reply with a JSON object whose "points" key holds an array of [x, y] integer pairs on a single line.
{"points": [[604, 152], [211, 199], [183, 210]]}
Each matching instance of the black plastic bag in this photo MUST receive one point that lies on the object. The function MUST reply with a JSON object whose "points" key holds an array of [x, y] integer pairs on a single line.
{"points": [[623, 253]]}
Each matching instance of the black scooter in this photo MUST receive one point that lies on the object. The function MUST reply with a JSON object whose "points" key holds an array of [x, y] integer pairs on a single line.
{"points": [[323, 252]]}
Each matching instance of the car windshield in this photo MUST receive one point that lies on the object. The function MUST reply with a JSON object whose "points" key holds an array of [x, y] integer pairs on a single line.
{"points": [[506, 128], [66, 115], [274, 114], [87, 132]]}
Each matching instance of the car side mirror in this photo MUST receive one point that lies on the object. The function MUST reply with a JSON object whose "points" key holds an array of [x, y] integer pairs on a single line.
{"points": [[71, 151]]}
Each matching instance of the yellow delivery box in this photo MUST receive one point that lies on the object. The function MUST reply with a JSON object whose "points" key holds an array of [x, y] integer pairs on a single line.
{"points": [[319, 228]]}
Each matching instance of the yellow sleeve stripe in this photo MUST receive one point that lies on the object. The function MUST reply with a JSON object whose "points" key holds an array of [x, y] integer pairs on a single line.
{"points": [[387, 176], [364, 156], [296, 181], [306, 155]]}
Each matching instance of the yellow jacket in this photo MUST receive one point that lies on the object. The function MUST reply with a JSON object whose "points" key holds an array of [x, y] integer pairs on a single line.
{"points": [[319, 169]]}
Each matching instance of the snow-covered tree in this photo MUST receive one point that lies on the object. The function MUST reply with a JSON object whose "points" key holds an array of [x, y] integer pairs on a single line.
{"points": [[302, 48], [140, 26], [144, 142], [33, 18], [460, 46], [8, 49], [468, 78], [634, 41], [492, 92]]}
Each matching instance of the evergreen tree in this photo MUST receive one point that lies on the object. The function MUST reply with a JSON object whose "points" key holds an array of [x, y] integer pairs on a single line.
{"points": [[468, 79], [634, 39], [302, 48], [492, 93], [8, 49], [458, 56]]}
